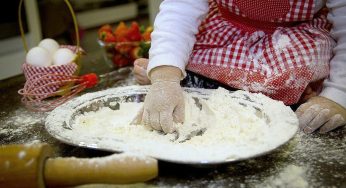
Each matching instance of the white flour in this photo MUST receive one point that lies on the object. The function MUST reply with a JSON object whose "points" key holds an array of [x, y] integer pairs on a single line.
{"points": [[281, 41], [21, 126], [291, 177], [237, 125]]}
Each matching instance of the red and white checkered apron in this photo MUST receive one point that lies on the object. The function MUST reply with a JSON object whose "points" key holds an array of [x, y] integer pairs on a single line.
{"points": [[268, 46]]}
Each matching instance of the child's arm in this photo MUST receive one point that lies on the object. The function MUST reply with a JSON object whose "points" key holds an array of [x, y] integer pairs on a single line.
{"points": [[174, 32], [329, 111], [335, 86]]}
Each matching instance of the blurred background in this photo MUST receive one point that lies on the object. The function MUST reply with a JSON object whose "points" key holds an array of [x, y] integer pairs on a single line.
{"points": [[52, 19]]}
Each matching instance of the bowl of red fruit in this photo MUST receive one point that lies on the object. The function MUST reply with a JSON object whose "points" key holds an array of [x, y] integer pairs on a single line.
{"points": [[124, 43]]}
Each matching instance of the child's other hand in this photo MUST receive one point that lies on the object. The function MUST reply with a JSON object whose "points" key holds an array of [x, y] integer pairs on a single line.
{"points": [[320, 113], [140, 71]]}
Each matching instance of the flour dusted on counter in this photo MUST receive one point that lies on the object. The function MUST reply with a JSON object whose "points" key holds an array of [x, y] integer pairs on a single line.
{"points": [[231, 126], [291, 176], [21, 126]]}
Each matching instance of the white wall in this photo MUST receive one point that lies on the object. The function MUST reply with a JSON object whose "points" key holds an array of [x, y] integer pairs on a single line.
{"points": [[11, 61], [153, 9]]}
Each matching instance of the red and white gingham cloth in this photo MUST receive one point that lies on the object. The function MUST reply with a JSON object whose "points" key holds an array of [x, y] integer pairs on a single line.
{"points": [[273, 47], [50, 84]]}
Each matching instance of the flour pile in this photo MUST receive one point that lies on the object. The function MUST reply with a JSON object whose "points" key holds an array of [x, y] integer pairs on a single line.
{"points": [[225, 126]]}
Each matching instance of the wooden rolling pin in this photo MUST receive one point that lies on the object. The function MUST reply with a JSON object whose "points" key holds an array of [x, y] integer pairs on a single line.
{"points": [[30, 166]]}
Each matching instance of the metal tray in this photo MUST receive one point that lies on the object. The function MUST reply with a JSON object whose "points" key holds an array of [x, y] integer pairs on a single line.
{"points": [[59, 122]]}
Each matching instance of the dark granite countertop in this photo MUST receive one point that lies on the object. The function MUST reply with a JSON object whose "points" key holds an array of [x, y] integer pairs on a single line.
{"points": [[306, 161]]}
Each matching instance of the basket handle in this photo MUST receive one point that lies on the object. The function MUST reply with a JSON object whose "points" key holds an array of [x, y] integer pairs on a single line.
{"points": [[22, 30]]}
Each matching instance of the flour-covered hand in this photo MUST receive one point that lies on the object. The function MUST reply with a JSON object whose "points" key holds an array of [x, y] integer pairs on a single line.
{"points": [[322, 114], [140, 71], [164, 103]]}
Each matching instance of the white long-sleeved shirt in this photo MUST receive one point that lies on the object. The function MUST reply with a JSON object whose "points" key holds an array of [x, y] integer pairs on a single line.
{"points": [[177, 24]]}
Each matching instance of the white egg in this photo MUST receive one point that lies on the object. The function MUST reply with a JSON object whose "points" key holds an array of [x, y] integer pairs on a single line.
{"points": [[49, 44], [63, 56], [38, 56]]}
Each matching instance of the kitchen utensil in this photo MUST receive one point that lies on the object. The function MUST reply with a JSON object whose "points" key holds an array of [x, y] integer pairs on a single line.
{"points": [[37, 97], [32, 166], [60, 124]]}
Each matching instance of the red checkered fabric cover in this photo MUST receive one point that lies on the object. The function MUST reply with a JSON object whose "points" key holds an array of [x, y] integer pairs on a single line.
{"points": [[48, 85], [255, 46]]}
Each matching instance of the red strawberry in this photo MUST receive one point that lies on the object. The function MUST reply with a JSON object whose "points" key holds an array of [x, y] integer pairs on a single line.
{"points": [[104, 28], [123, 48], [120, 32], [107, 37], [146, 34], [134, 33], [121, 39], [135, 53], [120, 61]]}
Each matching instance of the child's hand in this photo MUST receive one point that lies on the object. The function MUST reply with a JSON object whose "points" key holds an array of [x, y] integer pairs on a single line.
{"points": [[140, 71], [164, 103], [320, 113]]}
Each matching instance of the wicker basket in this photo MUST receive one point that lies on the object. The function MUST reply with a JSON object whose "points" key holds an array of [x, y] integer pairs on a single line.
{"points": [[33, 74]]}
